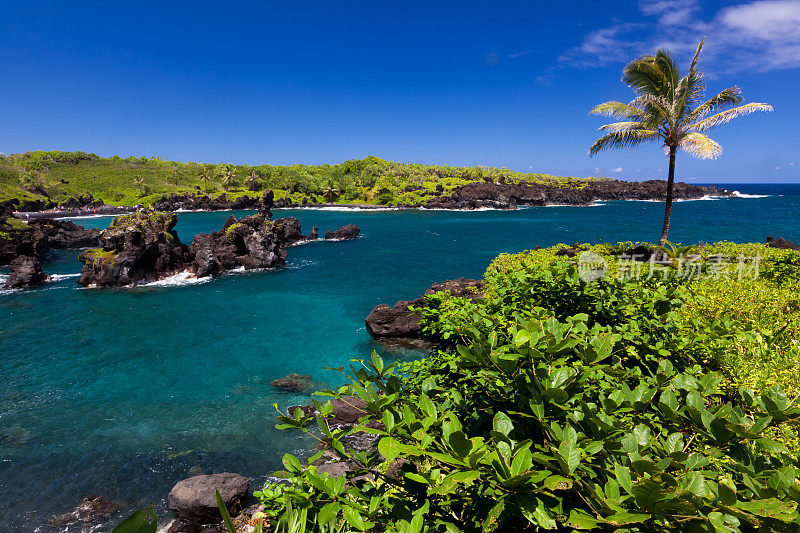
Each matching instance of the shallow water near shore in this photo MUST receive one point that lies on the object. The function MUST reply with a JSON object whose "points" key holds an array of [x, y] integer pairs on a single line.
{"points": [[122, 393]]}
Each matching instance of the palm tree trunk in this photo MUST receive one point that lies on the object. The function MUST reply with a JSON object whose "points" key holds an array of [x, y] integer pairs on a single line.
{"points": [[670, 187]]}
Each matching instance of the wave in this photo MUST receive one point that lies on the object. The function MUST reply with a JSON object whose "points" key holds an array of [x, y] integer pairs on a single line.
{"points": [[178, 280], [337, 208], [596, 203], [79, 217], [59, 277], [738, 194]]}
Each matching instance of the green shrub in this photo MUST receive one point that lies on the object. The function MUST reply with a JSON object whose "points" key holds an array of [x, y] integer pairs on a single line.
{"points": [[561, 404]]}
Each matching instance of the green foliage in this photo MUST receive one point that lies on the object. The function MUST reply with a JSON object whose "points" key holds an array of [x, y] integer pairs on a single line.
{"points": [[559, 404], [135, 180]]}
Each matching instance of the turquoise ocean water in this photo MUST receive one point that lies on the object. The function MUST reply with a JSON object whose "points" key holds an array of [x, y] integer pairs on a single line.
{"points": [[121, 393]]}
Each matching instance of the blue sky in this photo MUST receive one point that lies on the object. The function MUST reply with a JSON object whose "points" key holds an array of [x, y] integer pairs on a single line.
{"points": [[495, 83]]}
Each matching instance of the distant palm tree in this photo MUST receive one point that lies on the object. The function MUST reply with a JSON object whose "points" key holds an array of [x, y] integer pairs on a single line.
{"points": [[668, 109], [227, 177], [330, 192], [252, 180], [138, 182], [204, 178]]}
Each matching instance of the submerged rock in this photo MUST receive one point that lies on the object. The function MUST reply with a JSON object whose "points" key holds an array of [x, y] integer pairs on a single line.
{"points": [[293, 382], [25, 272], [350, 231], [400, 321], [195, 498], [91, 509]]}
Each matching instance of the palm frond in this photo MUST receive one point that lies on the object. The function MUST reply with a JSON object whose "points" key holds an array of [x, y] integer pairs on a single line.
{"points": [[624, 126], [728, 115], [656, 107], [617, 109], [669, 70], [725, 98], [623, 139], [700, 146], [643, 76]]}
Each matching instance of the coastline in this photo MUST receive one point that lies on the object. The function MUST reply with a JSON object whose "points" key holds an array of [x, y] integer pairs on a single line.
{"points": [[110, 210]]}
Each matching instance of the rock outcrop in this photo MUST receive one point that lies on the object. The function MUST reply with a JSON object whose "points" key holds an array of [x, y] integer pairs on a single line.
{"points": [[204, 202], [25, 272], [37, 237], [350, 231], [781, 243], [251, 242], [142, 246], [400, 322], [578, 192], [194, 499]]}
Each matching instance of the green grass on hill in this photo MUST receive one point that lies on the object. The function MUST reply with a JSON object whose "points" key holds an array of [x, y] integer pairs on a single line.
{"points": [[140, 180]]}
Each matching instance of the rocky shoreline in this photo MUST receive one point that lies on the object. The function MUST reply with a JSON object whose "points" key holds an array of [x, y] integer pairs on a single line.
{"points": [[143, 246]]}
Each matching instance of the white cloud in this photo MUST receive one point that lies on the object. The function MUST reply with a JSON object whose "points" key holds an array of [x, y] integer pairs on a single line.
{"points": [[790, 163], [671, 12], [760, 35], [617, 170], [777, 168], [519, 54]]}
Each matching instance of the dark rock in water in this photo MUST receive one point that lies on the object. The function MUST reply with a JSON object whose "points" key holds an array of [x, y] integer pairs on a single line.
{"points": [[289, 230], [37, 237], [25, 272], [293, 382], [91, 509], [348, 409], [182, 525], [344, 233], [142, 246], [400, 321], [397, 321], [251, 242], [195, 498], [314, 235], [505, 195], [781, 243]]}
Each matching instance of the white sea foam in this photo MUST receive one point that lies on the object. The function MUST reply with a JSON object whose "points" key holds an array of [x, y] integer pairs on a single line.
{"points": [[596, 203], [738, 194], [59, 277], [336, 208], [79, 217], [178, 280]]}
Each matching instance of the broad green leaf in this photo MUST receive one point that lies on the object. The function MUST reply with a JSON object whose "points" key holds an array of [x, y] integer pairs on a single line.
{"points": [[502, 424], [625, 518], [141, 521]]}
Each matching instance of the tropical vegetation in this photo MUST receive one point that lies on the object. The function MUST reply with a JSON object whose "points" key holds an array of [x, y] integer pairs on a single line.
{"points": [[56, 176], [670, 109]]}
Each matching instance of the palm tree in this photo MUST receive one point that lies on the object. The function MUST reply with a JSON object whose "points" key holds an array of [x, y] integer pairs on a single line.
{"points": [[252, 180], [227, 177], [330, 192], [204, 178], [669, 108], [138, 182]]}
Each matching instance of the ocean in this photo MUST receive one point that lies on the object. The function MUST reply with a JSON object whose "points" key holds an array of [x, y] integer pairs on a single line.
{"points": [[122, 393]]}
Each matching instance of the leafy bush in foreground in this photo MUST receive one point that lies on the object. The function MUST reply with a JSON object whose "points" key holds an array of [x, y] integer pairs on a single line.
{"points": [[542, 417]]}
